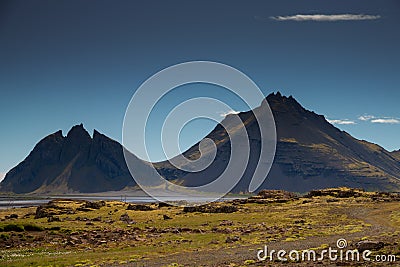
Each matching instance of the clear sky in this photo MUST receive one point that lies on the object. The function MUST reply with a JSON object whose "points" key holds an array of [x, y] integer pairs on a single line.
{"points": [[68, 62]]}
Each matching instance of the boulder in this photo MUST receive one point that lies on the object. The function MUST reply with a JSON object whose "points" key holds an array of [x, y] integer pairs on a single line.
{"points": [[369, 245], [140, 207], [212, 208], [232, 239]]}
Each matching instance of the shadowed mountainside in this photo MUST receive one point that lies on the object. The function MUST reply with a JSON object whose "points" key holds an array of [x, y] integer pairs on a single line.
{"points": [[75, 163]]}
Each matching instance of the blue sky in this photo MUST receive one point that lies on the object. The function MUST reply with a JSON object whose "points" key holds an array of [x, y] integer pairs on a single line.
{"points": [[68, 62]]}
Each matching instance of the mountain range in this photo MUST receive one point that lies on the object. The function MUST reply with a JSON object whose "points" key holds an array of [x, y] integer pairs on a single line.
{"points": [[311, 154]]}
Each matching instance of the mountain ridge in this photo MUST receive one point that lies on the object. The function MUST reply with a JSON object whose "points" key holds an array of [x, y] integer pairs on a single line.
{"points": [[311, 154]]}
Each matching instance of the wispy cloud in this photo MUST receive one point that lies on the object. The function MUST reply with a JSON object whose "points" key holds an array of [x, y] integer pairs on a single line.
{"points": [[342, 122], [386, 121], [383, 120], [366, 117], [324, 17]]}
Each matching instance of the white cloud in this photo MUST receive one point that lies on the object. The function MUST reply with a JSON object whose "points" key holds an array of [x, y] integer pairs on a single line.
{"points": [[386, 120], [322, 17], [366, 117], [224, 114], [383, 120], [342, 122]]}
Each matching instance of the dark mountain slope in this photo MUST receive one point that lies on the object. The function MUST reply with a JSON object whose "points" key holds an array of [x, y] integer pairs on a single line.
{"points": [[75, 163], [311, 153]]}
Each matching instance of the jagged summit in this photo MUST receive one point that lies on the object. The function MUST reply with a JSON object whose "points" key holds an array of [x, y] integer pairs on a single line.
{"points": [[279, 102], [79, 131], [278, 97]]}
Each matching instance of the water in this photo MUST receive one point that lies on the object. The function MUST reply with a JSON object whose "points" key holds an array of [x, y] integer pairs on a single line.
{"points": [[11, 203], [6, 203]]}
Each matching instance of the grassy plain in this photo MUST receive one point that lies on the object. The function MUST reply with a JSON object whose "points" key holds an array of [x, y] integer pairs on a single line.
{"points": [[74, 233]]}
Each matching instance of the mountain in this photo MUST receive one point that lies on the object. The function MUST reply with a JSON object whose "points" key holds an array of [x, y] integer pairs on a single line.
{"points": [[311, 154], [396, 154], [75, 163]]}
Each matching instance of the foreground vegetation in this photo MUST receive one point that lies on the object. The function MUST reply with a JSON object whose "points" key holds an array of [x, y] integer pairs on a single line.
{"points": [[81, 233]]}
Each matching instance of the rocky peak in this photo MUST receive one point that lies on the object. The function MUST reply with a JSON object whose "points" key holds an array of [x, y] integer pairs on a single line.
{"points": [[58, 134], [78, 132], [77, 140], [281, 103], [97, 136]]}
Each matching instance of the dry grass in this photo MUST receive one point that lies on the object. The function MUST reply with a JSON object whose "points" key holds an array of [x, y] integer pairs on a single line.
{"points": [[153, 236]]}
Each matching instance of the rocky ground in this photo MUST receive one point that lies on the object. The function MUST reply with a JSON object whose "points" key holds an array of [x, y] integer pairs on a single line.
{"points": [[109, 233]]}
